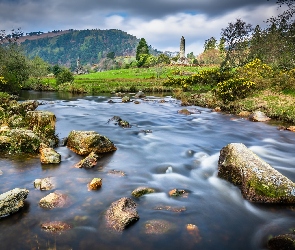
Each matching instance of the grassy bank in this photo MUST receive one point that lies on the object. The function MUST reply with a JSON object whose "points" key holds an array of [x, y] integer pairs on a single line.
{"points": [[262, 90]]}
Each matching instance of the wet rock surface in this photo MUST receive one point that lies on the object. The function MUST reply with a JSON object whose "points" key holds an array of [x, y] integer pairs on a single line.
{"points": [[88, 162], [44, 184], [95, 184], [258, 181], [11, 201], [121, 214], [49, 156], [140, 191], [55, 227], [258, 116], [54, 200], [158, 227], [282, 242], [85, 142]]}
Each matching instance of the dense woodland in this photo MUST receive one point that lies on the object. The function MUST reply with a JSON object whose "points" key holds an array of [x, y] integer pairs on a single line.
{"points": [[90, 46]]}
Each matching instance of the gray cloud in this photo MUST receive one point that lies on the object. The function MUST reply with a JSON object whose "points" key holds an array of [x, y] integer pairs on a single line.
{"points": [[162, 22]]}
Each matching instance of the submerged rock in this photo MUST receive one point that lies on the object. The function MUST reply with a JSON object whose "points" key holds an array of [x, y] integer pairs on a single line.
{"points": [[258, 116], [55, 227], [11, 201], [258, 181], [140, 191], [282, 242], [44, 184], [89, 162], [121, 214], [54, 200], [85, 142], [120, 122], [158, 227], [49, 155]]}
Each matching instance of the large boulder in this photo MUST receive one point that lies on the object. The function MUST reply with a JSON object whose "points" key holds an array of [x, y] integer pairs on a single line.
{"points": [[121, 214], [258, 181], [41, 118], [85, 142], [43, 124], [12, 201], [20, 140], [282, 242]]}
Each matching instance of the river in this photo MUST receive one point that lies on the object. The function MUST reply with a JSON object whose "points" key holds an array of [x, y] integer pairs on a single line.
{"points": [[163, 150]]}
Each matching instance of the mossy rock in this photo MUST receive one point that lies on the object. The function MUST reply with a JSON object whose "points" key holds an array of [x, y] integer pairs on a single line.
{"points": [[140, 191], [258, 181], [21, 140], [85, 142]]}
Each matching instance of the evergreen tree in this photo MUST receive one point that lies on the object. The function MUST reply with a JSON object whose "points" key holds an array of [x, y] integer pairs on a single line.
{"points": [[210, 44], [142, 49]]}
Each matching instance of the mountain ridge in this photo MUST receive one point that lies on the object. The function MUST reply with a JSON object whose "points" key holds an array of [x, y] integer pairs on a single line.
{"points": [[90, 46]]}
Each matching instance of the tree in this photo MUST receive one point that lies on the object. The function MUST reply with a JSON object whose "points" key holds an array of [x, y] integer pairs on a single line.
{"points": [[162, 58], [210, 44], [236, 36], [111, 55], [142, 49], [38, 67], [65, 75]]}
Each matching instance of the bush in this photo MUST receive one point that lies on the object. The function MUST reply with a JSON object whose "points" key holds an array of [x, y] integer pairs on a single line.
{"points": [[257, 72], [235, 88], [209, 77], [64, 76]]}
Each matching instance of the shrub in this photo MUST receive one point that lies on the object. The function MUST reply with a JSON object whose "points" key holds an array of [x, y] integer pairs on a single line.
{"points": [[64, 76], [285, 80], [233, 89], [257, 72]]}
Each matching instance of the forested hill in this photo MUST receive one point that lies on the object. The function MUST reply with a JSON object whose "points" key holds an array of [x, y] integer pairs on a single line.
{"points": [[87, 45]]}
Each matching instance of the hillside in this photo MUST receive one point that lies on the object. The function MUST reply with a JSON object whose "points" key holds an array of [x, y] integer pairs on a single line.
{"points": [[90, 46]]}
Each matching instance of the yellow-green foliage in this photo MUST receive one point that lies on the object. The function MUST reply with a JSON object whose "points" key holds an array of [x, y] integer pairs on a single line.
{"points": [[285, 80], [3, 82], [256, 71], [208, 77], [235, 88], [211, 76]]}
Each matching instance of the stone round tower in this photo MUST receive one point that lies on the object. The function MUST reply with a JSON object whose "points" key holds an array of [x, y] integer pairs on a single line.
{"points": [[182, 48]]}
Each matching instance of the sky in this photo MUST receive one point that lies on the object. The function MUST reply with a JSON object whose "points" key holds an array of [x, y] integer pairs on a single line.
{"points": [[160, 22]]}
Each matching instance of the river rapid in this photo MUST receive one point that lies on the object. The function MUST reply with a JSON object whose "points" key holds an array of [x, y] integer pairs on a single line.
{"points": [[163, 150]]}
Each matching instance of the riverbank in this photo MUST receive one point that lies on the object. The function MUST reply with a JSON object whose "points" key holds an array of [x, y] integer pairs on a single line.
{"points": [[274, 98]]}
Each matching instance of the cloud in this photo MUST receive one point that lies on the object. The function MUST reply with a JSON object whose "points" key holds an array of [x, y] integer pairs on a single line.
{"points": [[160, 22]]}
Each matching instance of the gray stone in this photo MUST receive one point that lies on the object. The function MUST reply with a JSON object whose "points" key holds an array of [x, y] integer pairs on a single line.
{"points": [[258, 116], [121, 214], [85, 142], [258, 181], [54, 200], [44, 184], [12, 201]]}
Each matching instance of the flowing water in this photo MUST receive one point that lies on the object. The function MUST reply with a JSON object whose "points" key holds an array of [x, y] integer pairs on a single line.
{"points": [[180, 151]]}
